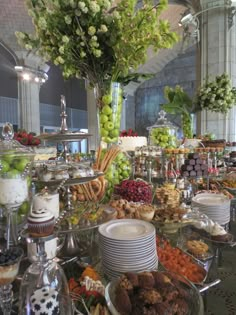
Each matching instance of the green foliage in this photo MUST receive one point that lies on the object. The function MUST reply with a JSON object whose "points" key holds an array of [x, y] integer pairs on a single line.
{"points": [[97, 40], [179, 104], [216, 95]]}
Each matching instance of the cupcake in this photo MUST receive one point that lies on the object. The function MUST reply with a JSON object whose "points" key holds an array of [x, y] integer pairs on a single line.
{"points": [[40, 223]]}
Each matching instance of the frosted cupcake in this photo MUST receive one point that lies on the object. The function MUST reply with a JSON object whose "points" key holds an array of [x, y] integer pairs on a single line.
{"points": [[40, 223]]}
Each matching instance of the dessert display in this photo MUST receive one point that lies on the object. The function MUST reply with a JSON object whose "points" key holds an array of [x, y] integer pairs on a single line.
{"points": [[153, 293], [129, 141], [162, 133], [134, 190], [132, 210], [213, 231], [40, 223], [174, 259], [44, 153], [197, 248], [9, 264], [168, 196], [48, 201], [44, 301], [194, 166]]}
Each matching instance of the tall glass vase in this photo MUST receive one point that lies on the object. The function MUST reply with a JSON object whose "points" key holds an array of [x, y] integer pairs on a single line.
{"points": [[109, 101]]}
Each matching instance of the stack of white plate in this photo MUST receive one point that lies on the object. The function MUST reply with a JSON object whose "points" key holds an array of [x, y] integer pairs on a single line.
{"points": [[215, 206], [127, 245]]}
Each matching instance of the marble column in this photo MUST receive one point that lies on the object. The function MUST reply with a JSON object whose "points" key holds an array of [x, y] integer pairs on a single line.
{"points": [[28, 93], [218, 33]]}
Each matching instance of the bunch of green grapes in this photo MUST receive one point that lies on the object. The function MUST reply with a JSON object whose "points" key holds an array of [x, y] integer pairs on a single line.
{"points": [[217, 95]]}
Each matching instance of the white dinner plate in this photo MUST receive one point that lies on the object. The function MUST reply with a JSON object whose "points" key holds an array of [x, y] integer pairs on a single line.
{"points": [[126, 229]]}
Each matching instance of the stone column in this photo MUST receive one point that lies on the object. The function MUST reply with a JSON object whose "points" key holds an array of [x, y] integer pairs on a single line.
{"points": [[28, 92], [217, 57]]}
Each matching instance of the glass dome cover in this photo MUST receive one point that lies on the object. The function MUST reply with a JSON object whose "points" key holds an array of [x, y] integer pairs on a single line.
{"points": [[163, 132], [10, 146]]}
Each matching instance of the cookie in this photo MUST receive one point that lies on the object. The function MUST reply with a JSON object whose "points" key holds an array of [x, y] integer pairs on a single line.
{"points": [[197, 247]]}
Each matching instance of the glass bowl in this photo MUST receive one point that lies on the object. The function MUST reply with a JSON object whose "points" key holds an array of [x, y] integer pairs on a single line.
{"points": [[191, 293]]}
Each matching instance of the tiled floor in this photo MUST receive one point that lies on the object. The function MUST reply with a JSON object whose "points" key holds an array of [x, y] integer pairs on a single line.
{"points": [[221, 300]]}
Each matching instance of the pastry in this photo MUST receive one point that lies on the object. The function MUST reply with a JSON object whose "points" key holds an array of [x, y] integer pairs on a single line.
{"points": [[41, 223], [197, 248]]}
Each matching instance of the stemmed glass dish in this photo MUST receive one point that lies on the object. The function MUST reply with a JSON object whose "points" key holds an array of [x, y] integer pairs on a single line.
{"points": [[15, 162], [9, 267], [44, 288]]}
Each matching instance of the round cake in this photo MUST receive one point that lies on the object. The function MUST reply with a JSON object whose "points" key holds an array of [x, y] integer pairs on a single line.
{"points": [[40, 223], [130, 143]]}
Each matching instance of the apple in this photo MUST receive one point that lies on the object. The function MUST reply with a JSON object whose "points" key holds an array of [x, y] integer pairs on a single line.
{"points": [[13, 173], [103, 118], [104, 132], [107, 99], [20, 164], [109, 125], [8, 157], [106, 110], [24, 208], [4, 166]]}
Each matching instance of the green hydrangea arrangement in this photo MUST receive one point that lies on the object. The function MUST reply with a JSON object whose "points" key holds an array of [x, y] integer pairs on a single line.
{"points": [[216, 95], [99, 40]]}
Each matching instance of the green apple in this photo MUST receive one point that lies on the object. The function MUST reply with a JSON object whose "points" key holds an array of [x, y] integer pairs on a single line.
{"points": [[20, 164], [125, 174], [104, 132], [8, 157], [24, 208], [103, 118], [4, 166], [13, 173], [106, 110], [107, 99], [109, 125]]}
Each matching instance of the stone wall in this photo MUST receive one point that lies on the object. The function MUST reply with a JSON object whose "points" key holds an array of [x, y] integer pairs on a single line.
{"points": [[149, 95]]}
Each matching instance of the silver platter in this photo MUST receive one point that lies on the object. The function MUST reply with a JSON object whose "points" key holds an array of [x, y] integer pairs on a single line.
{"points": [[71, 181], [67, 136]]}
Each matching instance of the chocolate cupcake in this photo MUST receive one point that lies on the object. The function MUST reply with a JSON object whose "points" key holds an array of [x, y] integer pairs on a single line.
{"points": [[40, 223]]}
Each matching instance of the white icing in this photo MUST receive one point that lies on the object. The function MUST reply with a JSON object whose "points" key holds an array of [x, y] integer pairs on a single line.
{"points": [[40, 215], [210, 227], [13, 191], [130, 143], [47, 201]]}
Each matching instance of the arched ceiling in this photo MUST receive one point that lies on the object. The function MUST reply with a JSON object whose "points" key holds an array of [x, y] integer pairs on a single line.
{"points": [[14, 17]]}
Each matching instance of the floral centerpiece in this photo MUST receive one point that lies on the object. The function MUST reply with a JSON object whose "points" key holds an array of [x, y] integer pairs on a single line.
{"points": [[217, 95], [102, 41]]}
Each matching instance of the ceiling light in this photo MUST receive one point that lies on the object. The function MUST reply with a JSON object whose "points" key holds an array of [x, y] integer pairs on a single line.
{"points": [[36, 79], [26, 76]]}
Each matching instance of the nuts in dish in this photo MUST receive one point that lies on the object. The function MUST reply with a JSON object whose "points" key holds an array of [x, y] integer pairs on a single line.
{"points": [[197, 248]]}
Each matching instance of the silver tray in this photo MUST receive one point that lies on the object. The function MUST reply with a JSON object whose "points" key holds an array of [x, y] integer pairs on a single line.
{"points": [[68, 136], [69, 181]]}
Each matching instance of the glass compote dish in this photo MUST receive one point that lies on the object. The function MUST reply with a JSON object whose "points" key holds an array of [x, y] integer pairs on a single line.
{"points": [[9, 267], [15, 162], [44, 288]]}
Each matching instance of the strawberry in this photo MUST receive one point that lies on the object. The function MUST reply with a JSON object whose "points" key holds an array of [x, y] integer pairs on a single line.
{"points": [[35, 141], [30, 138], [24, 141]]}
